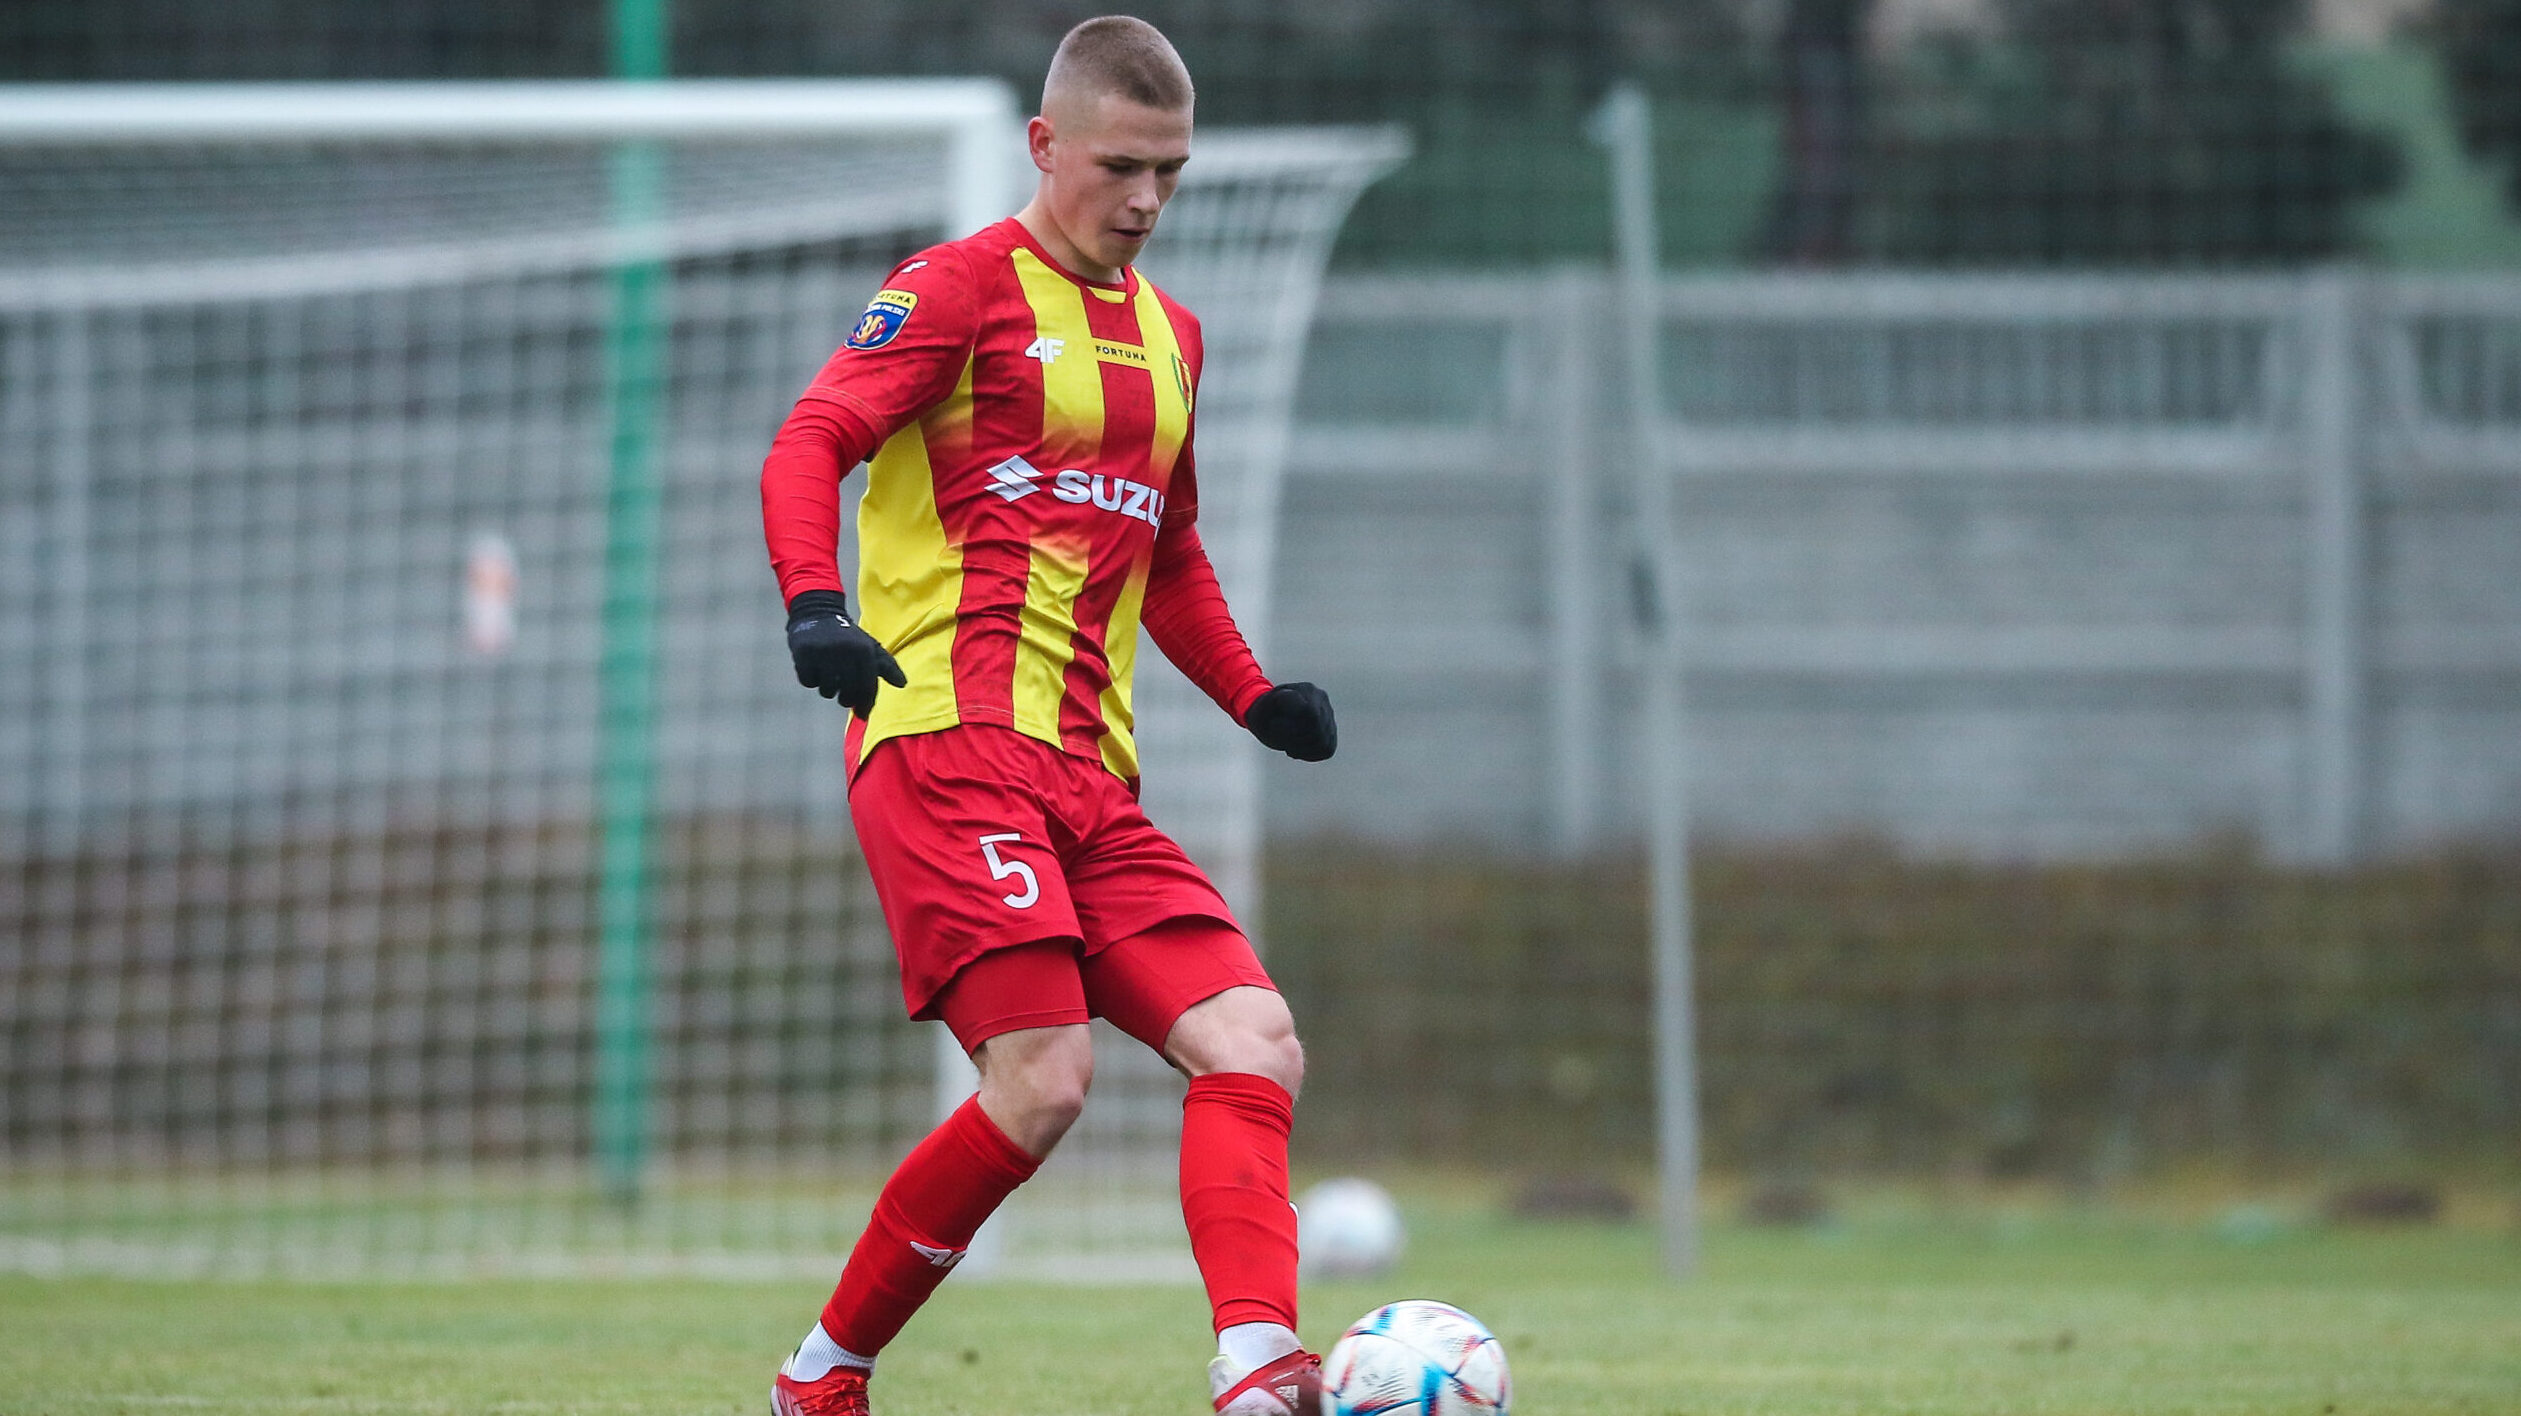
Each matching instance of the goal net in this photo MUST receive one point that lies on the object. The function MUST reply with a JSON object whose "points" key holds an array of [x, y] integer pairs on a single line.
{"points": [[415, 854]]}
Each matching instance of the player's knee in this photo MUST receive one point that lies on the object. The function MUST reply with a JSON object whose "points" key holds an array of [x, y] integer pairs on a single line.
{"points": [[1284, 1060], [1057, 1078], [1037, 1081], [1241, 1030]]}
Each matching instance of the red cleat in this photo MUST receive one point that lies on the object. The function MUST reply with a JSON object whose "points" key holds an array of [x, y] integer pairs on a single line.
{"points": [[842, 1391], [1289, 1386]]}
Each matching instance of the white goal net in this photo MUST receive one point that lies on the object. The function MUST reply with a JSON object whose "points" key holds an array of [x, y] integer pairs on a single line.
{"points": [[415, 854]]}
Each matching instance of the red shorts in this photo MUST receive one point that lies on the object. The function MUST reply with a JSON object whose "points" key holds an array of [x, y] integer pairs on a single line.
{"points": [[979, 838], [1143, 984]]}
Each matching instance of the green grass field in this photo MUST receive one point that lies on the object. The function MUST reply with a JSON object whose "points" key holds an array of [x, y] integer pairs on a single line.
{"points": [[2046, 1309]]}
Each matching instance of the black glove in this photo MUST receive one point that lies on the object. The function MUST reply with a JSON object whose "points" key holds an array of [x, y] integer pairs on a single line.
{"points": [[833, 656], [1295, 718]]}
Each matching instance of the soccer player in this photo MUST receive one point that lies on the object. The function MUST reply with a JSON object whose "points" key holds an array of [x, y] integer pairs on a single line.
{"points": [[1028, 400]]}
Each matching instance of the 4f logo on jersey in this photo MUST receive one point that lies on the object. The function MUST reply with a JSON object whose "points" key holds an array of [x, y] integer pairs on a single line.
{"points": [[884, 318], [1045, 348]]}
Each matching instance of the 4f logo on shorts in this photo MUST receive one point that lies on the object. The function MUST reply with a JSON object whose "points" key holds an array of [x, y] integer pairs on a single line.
{"points": [[884, 318], [1001, 869]]}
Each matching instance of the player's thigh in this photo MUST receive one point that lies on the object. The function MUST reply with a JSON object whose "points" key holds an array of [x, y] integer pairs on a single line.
{"points": [[1020, 988], [959, 850], [1146, 982]]}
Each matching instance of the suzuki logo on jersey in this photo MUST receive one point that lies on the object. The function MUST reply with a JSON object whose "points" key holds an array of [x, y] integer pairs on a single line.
{"points": [[1135, 500], [1014, 479], [1045, 348]]}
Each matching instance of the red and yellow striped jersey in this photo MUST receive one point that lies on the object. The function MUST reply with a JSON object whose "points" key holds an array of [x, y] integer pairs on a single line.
{"points": [[1036, 437]]}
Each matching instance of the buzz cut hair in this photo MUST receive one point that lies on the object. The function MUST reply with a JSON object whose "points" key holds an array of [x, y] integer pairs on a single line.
{"points": [[1123, 55]]}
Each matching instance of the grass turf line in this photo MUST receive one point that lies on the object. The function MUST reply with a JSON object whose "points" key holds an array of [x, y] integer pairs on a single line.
{"points": [[2066, 1313]]}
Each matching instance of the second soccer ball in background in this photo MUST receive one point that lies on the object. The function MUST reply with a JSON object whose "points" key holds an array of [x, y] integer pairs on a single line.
{"points": [[1348, 1228]]}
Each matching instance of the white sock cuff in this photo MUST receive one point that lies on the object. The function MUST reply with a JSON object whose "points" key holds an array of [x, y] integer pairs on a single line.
{"points": [[1250, 1345], [818, 1354]]}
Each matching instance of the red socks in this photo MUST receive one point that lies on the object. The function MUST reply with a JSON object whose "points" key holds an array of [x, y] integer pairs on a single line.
{"points": [[1234, 1202], [926, 1216], [1234, 1196]]}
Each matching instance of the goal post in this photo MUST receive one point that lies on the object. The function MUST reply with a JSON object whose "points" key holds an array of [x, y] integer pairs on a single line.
{"points": [[312, 579]]}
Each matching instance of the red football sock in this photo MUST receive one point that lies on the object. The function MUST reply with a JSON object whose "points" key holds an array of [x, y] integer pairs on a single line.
{"points": [[1234, 1196], [925, 1218]]}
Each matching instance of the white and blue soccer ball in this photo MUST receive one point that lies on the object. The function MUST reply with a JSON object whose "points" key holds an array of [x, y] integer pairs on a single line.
{"points": [[1348, 1228], [1416, 1358]]}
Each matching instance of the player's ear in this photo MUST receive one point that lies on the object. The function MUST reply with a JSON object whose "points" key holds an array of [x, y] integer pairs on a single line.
{"points": [[1037, 141]]}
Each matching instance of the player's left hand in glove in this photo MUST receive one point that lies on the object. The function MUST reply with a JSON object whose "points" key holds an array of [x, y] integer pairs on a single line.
{"points": [[834, 657], [1295, 718]]}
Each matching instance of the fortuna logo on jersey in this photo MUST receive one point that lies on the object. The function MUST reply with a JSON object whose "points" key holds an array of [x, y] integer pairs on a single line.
{"points": [[1015, 479]]}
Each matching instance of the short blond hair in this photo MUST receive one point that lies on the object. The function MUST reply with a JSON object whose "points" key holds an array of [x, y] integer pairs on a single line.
{"points": [[1123, 55]]}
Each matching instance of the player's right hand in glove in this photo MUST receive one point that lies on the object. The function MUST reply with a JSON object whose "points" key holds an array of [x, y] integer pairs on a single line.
{"points": [[834, 657], [1294, 718]]}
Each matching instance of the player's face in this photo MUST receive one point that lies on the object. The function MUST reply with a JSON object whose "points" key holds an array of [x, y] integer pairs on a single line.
{"points": [[1108, 169]]}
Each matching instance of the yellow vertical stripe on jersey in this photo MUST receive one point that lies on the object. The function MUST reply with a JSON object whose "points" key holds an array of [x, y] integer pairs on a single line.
{"points": [[1072, 435], [1164, 354], [1120, 647], [910, 574], [1047, 640], [1072, 379]]}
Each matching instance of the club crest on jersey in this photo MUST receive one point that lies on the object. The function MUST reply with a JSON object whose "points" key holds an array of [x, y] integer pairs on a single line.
{"points": [[1181, 378], [883, 319]]}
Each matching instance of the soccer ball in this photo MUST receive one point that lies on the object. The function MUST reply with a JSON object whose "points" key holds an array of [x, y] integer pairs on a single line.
{"points": [[1347, 1229], [1417, 1358]]}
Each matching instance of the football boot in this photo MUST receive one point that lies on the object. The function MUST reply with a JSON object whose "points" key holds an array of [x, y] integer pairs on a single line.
{"points": [[1285, 1386], [842, 1391]]}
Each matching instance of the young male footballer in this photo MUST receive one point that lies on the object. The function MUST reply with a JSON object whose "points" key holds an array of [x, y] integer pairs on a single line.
{"points": [[1028, 400]]}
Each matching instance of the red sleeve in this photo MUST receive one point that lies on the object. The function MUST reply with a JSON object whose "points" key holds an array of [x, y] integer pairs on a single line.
{"points": [[1185, 613], [815, 448], [904, 355]]}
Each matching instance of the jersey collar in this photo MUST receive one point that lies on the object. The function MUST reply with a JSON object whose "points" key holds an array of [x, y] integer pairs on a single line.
{"points": [[1126, 288]]}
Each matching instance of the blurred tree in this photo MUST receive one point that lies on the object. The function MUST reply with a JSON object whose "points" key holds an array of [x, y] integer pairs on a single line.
{"points": [[2480, 44], [2117, 132]]}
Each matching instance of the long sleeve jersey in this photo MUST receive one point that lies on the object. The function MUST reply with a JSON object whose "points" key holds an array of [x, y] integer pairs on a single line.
{"points": [[1031, 498]]}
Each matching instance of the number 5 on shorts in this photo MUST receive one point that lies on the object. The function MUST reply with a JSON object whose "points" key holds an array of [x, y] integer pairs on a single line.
{"points": [[1000, 869]]}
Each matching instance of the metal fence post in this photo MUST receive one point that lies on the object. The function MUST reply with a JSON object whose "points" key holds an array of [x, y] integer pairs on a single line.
{"points": [[1625, 126], [2334, 571], [63, 799]]}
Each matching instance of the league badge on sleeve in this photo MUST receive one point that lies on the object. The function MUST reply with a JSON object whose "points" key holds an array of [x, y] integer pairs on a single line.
{"points": [[883, 319]]}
